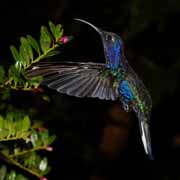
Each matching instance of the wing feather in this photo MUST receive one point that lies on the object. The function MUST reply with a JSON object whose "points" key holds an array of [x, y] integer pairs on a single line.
{"points": [[75, 79]]}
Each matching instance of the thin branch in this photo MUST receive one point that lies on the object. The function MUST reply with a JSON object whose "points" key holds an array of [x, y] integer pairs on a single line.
{"points": [[14, 138], [42, 56], [28, 151], [13, 162]]}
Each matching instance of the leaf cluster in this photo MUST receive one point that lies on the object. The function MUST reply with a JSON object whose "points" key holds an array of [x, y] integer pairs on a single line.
{"points": [[6, 174], [21, 142], [21, 138], [29, 52]]}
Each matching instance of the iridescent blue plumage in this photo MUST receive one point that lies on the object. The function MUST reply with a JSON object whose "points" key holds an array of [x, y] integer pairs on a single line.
{"points": [[125, 91], [113, 49], [111, 81]]}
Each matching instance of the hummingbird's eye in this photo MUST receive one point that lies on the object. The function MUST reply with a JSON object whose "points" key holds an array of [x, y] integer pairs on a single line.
{"points": [[108, 37]]}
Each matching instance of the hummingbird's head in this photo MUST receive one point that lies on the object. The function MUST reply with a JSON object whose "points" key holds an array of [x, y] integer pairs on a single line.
{"points": [[113, 46]]}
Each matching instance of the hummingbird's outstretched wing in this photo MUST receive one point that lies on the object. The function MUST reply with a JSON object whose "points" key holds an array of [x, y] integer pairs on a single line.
{"points": [[76, 79], [142, 105]]}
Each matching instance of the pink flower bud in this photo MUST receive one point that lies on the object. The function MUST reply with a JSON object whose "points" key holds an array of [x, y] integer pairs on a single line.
{"points": [[49, 148], [43, 178], [41, 129], [64, 39]]}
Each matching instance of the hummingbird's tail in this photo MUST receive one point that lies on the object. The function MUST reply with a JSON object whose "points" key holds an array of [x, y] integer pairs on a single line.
{"points": [[143, 120], [142, 106], [146, 138]]}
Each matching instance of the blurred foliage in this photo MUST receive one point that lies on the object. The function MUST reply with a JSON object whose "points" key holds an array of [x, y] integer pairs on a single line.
{"points": [[22, 137], [10, 175], [145, 13]]}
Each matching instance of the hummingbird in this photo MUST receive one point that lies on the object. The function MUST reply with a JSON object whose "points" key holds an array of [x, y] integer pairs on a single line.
{"points": [[113, 80]]}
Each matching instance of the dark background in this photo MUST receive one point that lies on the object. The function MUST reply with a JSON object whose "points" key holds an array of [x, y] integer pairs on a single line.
{"points": [[151, 33]]}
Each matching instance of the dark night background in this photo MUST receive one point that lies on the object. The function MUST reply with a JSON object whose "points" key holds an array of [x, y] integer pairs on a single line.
{"points": [[151, 33]]}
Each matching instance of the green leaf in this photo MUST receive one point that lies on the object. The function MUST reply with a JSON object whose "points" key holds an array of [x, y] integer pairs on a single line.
{"points": [[4, 133], [34, 138], [35, 81], [43, 164], [51, 139], [15, 53], [10, 116], [48, 169], [18, 127], [45, 39], [26, 123], [13, 72], [19, 65], [59, 32], [3, 171], [2, 74], [20, 177], [52, 28], [1, 122], [34, 44], [44, 135], [3, 128], [52, 53], [27, 47], [12, 175], [58, 28], [9, 125], [32, 161], [23, 55]]}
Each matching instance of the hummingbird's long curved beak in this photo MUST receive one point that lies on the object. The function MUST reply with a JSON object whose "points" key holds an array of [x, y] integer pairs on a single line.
{"points": [[86, 22]]}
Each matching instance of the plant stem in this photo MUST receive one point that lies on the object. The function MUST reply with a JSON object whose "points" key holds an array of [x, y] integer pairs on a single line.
{"points": [[13, 162], [25, 169], [42, 55], [27, 151], [14, 138]]}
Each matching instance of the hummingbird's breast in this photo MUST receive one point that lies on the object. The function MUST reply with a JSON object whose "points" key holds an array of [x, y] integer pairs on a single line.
{"points": [[125, 91]]}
